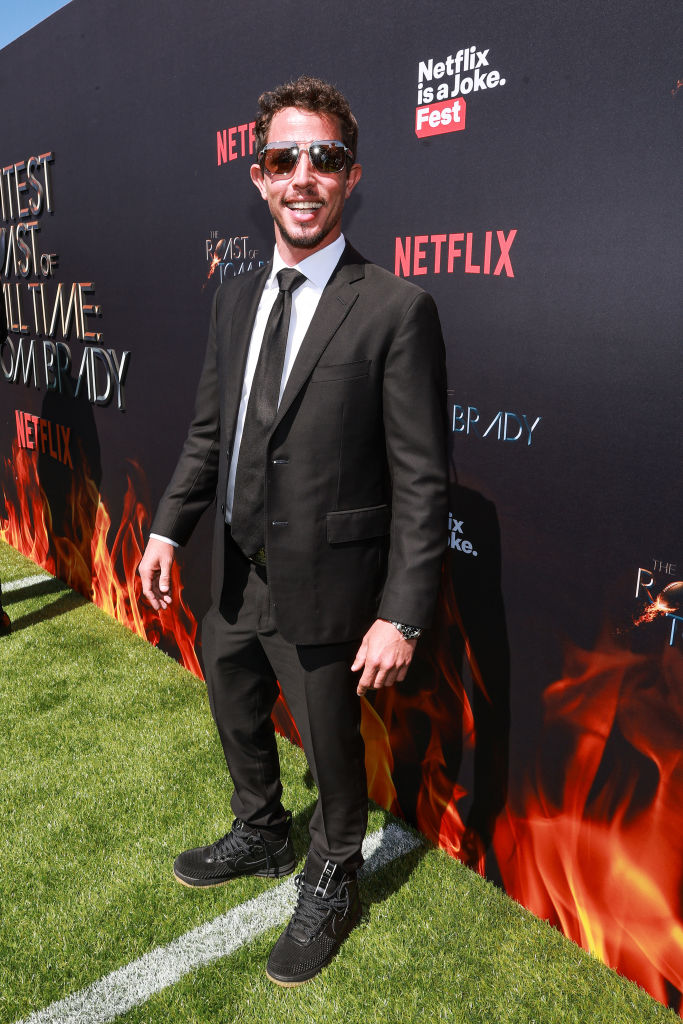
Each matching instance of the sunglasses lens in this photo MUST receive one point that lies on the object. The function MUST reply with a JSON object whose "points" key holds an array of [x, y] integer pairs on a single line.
{"points": [[326, 158], [280, 161]]}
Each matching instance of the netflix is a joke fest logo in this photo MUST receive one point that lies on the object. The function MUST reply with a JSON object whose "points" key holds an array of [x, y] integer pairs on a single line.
{"points": [[442, 85]]}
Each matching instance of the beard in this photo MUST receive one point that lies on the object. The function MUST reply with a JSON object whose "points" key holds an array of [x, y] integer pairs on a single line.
{"points": [[303, 240]]}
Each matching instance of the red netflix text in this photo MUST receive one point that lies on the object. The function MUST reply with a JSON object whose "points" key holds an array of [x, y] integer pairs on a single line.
{"points": [[235, 142], [466, 252], [44, 436]]}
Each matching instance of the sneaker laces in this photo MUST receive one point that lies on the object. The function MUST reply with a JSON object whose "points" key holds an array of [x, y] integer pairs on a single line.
{"points": [[233, 844], [311, 910]]}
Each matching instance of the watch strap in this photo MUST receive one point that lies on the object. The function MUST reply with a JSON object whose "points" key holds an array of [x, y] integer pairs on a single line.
{"points": [[408, 632]]}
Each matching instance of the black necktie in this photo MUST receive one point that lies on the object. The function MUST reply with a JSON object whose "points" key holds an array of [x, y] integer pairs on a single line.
{"points": [[247, 510]]}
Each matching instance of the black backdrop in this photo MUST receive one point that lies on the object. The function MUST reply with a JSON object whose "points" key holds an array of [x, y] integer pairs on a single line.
{"points": [[538, 736]]}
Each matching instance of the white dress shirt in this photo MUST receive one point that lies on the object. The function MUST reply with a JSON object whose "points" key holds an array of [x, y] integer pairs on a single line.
{"points": [[317, 269]]}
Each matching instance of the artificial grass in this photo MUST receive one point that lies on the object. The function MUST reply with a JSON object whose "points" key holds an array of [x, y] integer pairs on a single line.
{"points": [[110, 765]]}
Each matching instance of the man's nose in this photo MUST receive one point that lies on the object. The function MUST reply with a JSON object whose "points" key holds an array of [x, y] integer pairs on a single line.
{"points": [[303, 172]]}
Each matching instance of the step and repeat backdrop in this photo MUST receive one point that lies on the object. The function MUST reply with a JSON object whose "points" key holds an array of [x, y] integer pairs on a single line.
{"points": [[522, 163]]}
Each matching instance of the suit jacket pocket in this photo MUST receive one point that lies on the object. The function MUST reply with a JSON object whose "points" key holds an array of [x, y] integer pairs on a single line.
{"points": [[341, 371], [358, 524]]}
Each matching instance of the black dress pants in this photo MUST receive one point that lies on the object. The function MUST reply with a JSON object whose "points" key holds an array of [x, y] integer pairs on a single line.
{"points": [[244, 657]]}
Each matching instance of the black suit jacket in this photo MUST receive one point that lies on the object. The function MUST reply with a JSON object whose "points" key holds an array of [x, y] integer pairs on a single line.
{"points": [[356, 478]]}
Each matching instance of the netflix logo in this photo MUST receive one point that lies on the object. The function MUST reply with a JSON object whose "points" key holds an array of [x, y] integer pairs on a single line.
{"points": [[235, 142], [39, 434], [485, 252], [441, 84]]}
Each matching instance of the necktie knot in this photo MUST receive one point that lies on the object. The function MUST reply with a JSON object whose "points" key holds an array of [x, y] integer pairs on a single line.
{"points": [[289, 279]]}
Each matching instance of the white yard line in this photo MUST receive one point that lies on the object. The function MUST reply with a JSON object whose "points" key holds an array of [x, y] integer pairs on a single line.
{"points": [[132, 985], [27, 581]]}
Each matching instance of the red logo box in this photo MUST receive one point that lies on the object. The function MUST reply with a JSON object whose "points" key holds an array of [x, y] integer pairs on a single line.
{"points": [[439, 118]]}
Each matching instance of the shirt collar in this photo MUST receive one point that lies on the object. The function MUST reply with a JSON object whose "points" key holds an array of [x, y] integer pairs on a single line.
{"points": [[318, 268]]}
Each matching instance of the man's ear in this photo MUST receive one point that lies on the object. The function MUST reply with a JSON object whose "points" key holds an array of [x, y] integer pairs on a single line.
{"points": [[256, 175], [352, 179]]}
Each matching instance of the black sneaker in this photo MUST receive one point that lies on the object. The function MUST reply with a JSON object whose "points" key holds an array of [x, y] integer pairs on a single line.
{"points": [[243, 851], [327, 910], [5, 624]]}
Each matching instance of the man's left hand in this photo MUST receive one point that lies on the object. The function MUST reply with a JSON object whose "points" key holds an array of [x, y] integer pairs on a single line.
{"points": [[384, 656]]}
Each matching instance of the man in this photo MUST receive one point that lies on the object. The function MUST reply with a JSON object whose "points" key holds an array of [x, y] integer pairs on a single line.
{"points": [[319, 429]]}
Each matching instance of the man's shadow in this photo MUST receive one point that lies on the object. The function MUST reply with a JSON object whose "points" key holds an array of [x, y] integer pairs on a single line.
{"points": [[482, 646], [456, 696], [70, 474], [66, 602]]}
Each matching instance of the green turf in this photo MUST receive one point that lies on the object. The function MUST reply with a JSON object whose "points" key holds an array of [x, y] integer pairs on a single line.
{"points": [[109, 765]]}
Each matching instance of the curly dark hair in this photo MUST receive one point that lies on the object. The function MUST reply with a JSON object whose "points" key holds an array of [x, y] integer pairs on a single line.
{"points": [[310, 94]]}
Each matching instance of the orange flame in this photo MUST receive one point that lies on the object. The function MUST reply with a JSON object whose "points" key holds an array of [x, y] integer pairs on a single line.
{"points": [[597, 856], [215, 260], [600, 859], [658, 607], [86, 562], [379, 760], [665, 603]]}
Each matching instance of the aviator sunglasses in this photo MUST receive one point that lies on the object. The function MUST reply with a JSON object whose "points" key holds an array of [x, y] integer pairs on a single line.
{"points": [[327, 156]]}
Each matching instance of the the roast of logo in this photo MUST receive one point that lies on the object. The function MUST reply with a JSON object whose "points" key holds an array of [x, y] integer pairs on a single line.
{"points": [[659, 597], [229, 257]]}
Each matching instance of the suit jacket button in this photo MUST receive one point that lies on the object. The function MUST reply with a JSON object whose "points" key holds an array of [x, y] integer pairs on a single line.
{"points": [[223, 509]]}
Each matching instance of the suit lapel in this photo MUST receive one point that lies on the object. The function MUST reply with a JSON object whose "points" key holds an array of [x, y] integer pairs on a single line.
{"points": [[336, 301]]}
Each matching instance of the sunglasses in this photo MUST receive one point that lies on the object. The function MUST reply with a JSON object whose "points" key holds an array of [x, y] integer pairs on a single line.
{"points": [[280, 158]]}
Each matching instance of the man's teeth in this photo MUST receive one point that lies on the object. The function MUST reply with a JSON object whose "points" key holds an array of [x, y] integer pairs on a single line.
{"points": [[304, 206]]}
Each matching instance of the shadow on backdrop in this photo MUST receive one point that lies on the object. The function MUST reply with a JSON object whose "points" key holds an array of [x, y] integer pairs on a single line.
{"points": [[70, 475], [433, 721]]}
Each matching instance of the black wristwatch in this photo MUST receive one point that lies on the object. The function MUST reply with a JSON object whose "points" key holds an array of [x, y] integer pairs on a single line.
{"points": [[408, 632]]}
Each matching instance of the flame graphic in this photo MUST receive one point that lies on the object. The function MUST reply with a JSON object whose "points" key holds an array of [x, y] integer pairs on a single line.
{"points": [[589, 842], [599, 854], [215, 260], [665, 603], [87, 562], [658, 607]]}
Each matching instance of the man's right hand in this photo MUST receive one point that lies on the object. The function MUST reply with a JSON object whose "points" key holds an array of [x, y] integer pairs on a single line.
{"points": [[155, 573]]}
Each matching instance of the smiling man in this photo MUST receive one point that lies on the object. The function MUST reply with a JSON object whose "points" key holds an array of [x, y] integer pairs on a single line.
{"points": [[319, 432]]}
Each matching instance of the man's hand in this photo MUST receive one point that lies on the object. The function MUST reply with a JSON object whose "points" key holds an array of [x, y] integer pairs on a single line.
{"points": [[155, 573], [384, 655]]}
